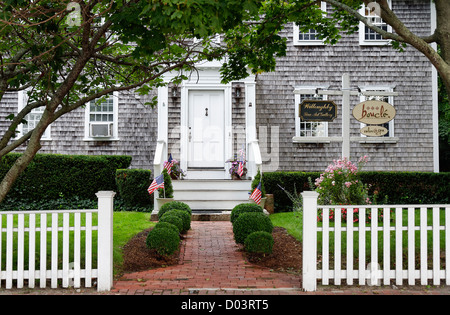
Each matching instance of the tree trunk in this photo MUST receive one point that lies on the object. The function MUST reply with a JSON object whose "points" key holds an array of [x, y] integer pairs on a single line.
{"points": [[443, 34], [21, 163]]}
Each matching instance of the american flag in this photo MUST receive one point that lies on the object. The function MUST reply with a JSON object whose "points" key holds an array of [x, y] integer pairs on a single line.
{"points": [[240, 170], [256, 195], [168, 165], [158, 182]]}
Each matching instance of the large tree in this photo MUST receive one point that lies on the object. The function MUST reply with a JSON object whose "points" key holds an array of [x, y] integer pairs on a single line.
{"points": [[67, 53], [111, 46], [403, 34], [130, 44]]}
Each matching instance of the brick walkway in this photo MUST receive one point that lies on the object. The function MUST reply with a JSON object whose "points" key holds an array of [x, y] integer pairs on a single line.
{"points": [[210, 262], [212, 265]]}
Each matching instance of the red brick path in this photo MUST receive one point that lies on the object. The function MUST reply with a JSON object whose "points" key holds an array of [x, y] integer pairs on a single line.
{"points": [[211, 264], [210, 261]]}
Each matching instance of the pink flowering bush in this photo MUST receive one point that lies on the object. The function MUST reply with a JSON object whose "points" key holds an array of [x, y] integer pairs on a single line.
{"points": [[340, 185]]}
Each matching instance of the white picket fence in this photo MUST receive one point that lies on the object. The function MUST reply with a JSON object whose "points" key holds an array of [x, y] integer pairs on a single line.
{"points": [[397, 243], [48, 256]]}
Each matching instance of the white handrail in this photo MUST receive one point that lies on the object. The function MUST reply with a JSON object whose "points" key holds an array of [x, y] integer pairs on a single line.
{"points": [[159, 157], [255, 160]]}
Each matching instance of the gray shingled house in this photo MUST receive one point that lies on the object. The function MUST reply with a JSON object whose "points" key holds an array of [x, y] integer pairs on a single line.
{"points": [[204, 123]]}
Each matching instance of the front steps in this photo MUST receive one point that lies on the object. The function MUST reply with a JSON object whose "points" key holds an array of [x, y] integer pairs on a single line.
{"points": [[211, 199]]}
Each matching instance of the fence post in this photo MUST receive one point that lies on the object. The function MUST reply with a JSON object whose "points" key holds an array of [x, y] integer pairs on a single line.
{"points": [[309, 240], [105, 240]]}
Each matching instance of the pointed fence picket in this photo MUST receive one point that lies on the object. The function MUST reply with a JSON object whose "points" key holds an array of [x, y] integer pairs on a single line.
{"points": [[48, 235], [397, 243]]}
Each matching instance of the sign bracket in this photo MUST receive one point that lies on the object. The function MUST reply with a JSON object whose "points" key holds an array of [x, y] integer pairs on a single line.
{"points": [[345, 92]]}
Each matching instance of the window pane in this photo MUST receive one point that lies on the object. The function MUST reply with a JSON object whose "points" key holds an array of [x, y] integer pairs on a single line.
{"points": [[312, 129]]}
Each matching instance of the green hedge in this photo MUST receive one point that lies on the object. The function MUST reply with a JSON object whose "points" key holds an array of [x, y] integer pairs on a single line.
{"points": [[52, 176], [397, 187], [287, 180], [409, 187], [132, 185]]}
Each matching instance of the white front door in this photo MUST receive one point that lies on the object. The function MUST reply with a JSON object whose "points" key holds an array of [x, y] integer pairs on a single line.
{"points": [[206, 124]]}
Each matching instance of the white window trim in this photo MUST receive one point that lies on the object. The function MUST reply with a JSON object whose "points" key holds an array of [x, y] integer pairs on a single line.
{"points": [[87, 125], [21, 103], [366, 42], [391, 138], [296, 33], [300, 139]]}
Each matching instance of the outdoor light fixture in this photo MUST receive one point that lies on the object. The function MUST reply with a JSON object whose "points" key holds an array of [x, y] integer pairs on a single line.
{"points": [[238, 92]]}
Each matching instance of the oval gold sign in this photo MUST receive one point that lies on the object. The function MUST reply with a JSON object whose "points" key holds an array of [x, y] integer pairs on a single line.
{"points": [[374, 131], [374, 112]]}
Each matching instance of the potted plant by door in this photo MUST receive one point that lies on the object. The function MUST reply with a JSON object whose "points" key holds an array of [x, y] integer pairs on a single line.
{"points": [[238, 168], [255, 182], [166, 193]]}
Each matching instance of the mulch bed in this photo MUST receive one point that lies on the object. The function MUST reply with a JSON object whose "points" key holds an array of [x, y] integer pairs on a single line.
{"points": [[286, 255], [137, 256]]}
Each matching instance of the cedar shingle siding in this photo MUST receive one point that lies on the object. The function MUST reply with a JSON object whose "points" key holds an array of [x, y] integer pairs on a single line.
{"points": [[409, 72]]}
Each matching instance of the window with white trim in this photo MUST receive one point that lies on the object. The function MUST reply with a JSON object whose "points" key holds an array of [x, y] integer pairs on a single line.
{"points": [[304, 129], [32, 119], [310, 37], [388, 99], [102, 119], [366, 35]]}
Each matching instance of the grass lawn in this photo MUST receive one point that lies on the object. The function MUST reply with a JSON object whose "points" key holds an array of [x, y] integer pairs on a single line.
{"points": [[292, 222], [126, 225]]}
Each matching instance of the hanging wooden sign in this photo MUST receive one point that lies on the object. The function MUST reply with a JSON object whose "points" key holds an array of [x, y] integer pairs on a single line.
{"points": [[374, 131], [318, 110], [374, 112]]}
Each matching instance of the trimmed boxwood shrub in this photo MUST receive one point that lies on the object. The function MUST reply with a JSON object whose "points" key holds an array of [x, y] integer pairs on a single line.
{"points": [[260, 242], [132, 185], [175, 220], [164, 240], [166, 225], [183, 215], [54, 176], [250, 222], [244, 207], [174, 205]]}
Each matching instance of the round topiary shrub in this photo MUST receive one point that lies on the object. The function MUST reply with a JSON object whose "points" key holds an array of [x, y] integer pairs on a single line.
{"points": [[175, 220], [259, 242], [244, 207], [173, 205], [164, 240], [183, 215], [166, 225], [250, 222]]}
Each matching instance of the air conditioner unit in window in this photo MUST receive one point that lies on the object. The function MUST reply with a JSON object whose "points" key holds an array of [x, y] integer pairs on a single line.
{"points": [[101, 130]]}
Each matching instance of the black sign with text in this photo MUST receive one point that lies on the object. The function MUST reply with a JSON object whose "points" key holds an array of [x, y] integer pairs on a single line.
{"points": [[318, 110]]}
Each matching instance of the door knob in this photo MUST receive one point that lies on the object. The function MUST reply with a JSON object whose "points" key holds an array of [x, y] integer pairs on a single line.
{"points": [[206, 111]]}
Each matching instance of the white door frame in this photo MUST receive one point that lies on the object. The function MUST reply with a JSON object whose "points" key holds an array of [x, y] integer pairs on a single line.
{"points": [[209, 81]]}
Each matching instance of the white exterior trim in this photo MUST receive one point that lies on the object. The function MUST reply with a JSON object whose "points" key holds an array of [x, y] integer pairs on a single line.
{"points": [[207, 78], [22, 98], [434, 82], [297, 96], [296, 32], [115, 136], [365, 42]]}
